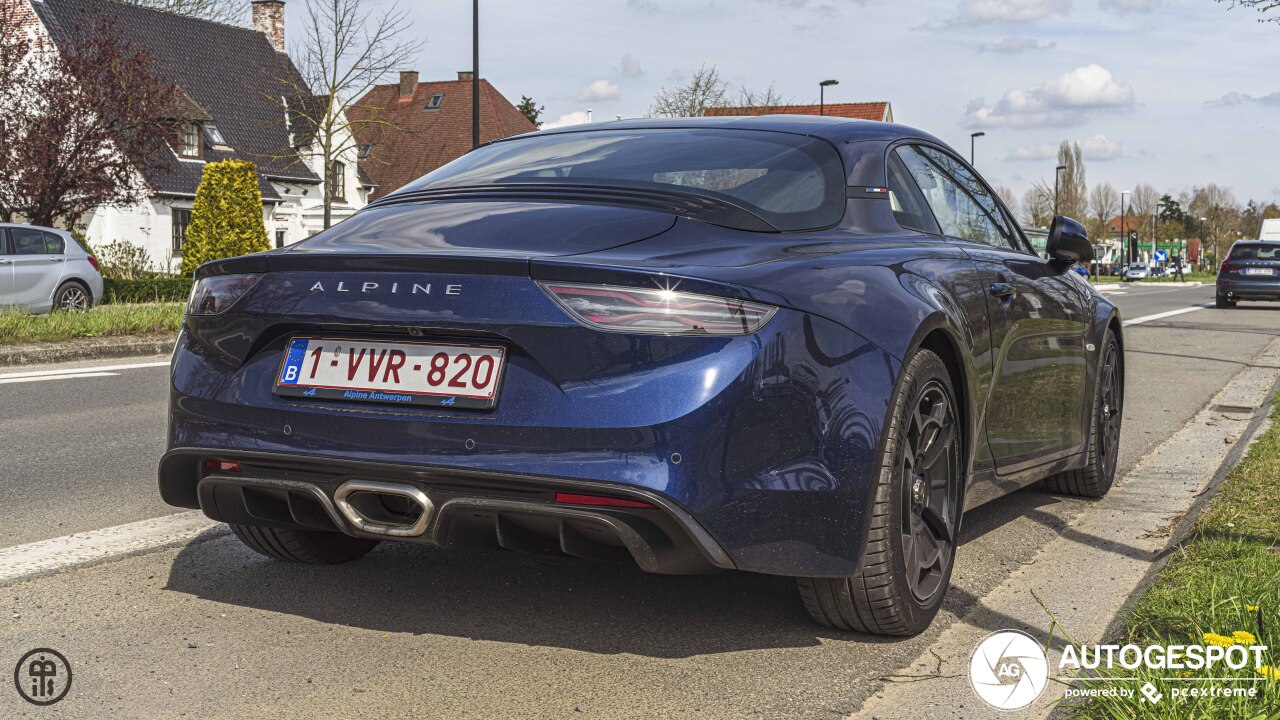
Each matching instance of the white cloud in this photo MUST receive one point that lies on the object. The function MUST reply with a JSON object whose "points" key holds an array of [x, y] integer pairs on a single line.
{"points": [[1233, 99], [1099, 148], [573, 118], [1063, 101], [600, 91], [629, 67], [648, 6], [1129, 6], [991, 11], [1015, 45]]}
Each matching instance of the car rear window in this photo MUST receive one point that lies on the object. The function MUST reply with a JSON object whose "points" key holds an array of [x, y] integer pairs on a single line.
{"points": [[1255, 252], [791, 181]]}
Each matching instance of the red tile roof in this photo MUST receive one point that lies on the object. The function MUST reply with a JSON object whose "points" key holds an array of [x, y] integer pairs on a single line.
{"points": [[880, 111], [409, 141]]}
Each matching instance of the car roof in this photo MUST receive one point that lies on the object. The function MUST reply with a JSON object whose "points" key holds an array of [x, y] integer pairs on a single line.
{"points": [[832, 128]]}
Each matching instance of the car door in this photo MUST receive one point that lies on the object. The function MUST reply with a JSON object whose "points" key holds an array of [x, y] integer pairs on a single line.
{"points": [[1037, 318], [6, 269], [36, 270]]}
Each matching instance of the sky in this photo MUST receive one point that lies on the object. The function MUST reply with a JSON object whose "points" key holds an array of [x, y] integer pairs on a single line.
{"points": [[1176, 93]]}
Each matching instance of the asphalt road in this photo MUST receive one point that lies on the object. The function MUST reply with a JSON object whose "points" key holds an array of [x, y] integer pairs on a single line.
{"points": [[212, 630]]}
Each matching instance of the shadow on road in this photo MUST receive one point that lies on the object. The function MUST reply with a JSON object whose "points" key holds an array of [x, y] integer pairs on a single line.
{"points": [[561, 602]]}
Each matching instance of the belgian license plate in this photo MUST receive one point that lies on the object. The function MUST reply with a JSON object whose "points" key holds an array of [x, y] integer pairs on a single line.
{"points": [[436, 374], [1257, 271]]}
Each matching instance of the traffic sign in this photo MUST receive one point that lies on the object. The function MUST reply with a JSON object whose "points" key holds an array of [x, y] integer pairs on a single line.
{"points": [[1162, 256]]}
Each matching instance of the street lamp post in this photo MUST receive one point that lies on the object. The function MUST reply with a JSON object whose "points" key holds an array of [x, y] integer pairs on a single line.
{"points": [[475, 73], [1124, 233], [822, 95], [972, 137], [1057, 173]]}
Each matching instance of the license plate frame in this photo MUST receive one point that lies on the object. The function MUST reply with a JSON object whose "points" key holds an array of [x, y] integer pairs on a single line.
{"points": [[1259, 272], [299, 348]]}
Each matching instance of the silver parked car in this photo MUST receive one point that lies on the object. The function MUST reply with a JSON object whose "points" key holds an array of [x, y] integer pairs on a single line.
{"points": [[43, 268]]}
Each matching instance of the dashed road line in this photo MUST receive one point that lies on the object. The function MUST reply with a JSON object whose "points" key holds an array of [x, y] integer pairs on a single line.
{"points": [[1163, 315]]}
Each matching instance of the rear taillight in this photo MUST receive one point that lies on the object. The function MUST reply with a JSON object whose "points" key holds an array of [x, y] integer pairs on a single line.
{"points": [[213, 294], [223, 465], [599, 501], [94, 262], [657, 311]]}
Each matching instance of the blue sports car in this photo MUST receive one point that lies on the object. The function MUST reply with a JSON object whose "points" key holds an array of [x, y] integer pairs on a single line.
{"points": [[790, 345]]}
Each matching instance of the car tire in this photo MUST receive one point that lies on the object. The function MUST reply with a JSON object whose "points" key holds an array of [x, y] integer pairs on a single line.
{"points": [[895, 593], [312, 547], [1222, 303], [1099, 473], [72, 297]]}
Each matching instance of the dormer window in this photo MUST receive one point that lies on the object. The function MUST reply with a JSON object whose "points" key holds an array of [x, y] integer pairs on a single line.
{"points": [[214, 134], [434, 102], [189, 145]]}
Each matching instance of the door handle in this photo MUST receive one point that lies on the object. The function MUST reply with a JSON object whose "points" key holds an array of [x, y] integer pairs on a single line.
{"points": [[5, 261], [1002, 290], [57, 259]]}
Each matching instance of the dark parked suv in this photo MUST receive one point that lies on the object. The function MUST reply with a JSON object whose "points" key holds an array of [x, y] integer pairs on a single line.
{"points": [[1250, 272]]}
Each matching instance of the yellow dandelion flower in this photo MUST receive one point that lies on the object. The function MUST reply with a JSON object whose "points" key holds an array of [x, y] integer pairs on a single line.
{"points": [[1269, 672], [1244, 638], [1219, 640], [1251, 608]]}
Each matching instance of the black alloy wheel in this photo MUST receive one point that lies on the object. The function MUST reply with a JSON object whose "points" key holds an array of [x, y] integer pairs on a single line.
{"points": [[928, 476]]}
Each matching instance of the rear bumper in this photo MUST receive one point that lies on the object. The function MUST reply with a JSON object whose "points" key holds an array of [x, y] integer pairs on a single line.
{"points": [[766, 445], [1250, 289]]}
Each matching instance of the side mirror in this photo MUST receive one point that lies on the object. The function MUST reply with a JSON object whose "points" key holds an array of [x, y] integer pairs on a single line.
{"points": [[1068, 242]]}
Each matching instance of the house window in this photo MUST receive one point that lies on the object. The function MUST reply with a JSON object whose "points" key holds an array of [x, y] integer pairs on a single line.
{"points": [[181, 219], [338, 178], [189, 145], [215, 135], [434, 102], [280, 238]]}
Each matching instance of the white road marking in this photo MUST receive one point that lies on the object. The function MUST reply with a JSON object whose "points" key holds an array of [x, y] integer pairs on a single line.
{"points": [[82, 370], [46, 556], [1163, 315], [40, 378]]}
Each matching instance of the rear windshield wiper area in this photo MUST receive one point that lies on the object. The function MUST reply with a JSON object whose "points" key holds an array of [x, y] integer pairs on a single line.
{"points": [[695, 205]]}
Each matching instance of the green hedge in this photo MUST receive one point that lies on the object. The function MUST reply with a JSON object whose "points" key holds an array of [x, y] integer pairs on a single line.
{"points": [[167, 289]]}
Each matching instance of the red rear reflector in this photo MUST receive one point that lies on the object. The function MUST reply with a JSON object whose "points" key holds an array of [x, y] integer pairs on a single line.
{"points": [[94, 262], [224, 465], [599, 501]]}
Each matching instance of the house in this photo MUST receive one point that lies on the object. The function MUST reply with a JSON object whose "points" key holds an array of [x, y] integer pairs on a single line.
{"points": [[879, 111], [408, 129], [240, 97]]}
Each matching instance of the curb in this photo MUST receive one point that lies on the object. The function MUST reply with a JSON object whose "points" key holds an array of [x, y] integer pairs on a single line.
{"points": [[86, 349]]}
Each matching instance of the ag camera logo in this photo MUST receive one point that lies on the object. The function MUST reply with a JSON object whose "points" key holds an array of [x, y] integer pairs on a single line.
{"points": [[1008, 670]]}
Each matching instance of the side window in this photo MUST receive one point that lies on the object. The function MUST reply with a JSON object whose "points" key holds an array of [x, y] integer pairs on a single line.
{"points": [[27, 241], [909, 206], [53, 244], [960, 214]]}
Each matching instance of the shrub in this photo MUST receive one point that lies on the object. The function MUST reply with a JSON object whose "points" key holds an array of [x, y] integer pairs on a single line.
{"points": [[123, 260], [226, 218], [160, 289]]}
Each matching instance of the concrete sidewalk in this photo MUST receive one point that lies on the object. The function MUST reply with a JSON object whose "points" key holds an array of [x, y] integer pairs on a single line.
{"points": [[1094, 568]]}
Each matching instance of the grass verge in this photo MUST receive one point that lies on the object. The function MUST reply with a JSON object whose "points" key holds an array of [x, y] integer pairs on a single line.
{"points": [[1222, 586], [103, 321]]}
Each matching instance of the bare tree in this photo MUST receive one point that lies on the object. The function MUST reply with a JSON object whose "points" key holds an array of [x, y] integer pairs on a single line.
{"points": [[231, 12], [1219, 210], [1073, 198], [1143, 201], [1104, 203], [760, 102], [1262, 6], [1037, 206], [704, 90], [344, 52], [1008, 198]]}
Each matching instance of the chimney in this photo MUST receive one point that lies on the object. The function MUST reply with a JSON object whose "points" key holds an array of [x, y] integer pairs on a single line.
{"points": [[465, 74], [268, 19], [408, 83]]}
